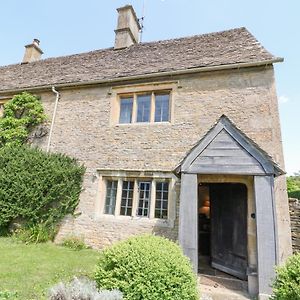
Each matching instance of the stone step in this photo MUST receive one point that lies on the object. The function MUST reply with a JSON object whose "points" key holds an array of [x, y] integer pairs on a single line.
{"points": [[223, 282]]}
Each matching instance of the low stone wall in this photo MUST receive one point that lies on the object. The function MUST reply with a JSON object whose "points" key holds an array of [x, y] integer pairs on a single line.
{"points": [[295, 223]]}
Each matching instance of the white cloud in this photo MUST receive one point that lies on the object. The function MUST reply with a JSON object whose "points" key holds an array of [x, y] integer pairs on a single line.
{"points": [[283, 99]]}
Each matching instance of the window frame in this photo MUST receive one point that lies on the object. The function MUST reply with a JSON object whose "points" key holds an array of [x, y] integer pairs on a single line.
{"points": [[134, 113], [136, 178]]}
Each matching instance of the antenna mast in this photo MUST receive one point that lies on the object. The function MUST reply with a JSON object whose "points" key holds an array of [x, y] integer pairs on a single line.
{"points": [[141, 20]]}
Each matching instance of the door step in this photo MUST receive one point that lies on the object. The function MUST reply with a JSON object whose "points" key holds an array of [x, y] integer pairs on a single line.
{"points": [[218, 288]]}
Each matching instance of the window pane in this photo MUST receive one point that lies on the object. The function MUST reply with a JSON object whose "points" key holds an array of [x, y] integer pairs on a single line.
{"points": [[162, 108], [127, 198], [111, 194], [144, 199], [161, 202], [143, 108], [126, 110]]}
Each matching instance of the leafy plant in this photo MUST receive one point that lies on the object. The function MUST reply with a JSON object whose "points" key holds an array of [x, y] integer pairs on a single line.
{"points": [[82, 289], [74, 242], [38, 188], [35, 233], [287, 283], [147, 267], [20, 116], [7, 295]]}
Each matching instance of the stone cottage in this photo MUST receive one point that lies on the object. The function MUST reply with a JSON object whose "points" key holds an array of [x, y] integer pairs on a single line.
{"points": [[180, 138]]}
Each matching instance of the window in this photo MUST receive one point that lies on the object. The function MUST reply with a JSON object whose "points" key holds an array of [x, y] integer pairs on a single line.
{"points": [[161, 203], [138, 196], [127, 198], [151, 107], [143, 108], [144, 199], [111, 193], [126, 110], [161, 108]]}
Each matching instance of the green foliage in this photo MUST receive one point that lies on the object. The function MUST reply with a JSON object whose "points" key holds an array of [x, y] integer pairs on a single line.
{"points": [[37, 187], [35, 233], [147, 267], [8, 295], [75, 243], [293, 186], [21, 115], [287, 283]]}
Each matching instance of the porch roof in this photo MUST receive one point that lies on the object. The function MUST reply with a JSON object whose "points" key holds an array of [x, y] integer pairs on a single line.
{"points": [[257, 161]]}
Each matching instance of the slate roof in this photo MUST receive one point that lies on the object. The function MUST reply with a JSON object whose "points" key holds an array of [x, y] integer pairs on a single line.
{"points": [[213, 49]]}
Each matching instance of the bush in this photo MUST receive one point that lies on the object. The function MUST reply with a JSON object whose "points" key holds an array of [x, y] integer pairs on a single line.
{"points": [[147, 267], [82, 289], [287, 283], [74, 242], [37, 187]]}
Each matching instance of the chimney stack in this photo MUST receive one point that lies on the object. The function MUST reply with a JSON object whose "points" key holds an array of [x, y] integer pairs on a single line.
{"points": [[32, 52], [128, 28]]}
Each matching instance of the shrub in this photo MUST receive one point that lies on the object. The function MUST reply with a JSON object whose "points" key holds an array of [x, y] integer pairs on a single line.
{"points": [[147, 267], [37, 187], [82, 289], [74, 242], [287, 282]]}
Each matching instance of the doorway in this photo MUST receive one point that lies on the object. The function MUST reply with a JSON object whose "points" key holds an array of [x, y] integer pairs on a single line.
{"points": [[222, 229]]}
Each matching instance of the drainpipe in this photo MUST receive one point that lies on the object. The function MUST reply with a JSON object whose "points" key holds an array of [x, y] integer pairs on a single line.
{"points": [[53, 117]]}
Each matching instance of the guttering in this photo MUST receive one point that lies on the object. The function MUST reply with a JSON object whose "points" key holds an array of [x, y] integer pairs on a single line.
{"points": [[153, 75], [53, 117]]}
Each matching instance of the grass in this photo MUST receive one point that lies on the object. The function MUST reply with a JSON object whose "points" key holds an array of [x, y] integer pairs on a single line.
{"points": [[30, 270]]}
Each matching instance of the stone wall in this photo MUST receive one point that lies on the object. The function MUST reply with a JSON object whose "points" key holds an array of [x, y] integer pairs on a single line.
{"points": [[84, 129], [295, 223]]}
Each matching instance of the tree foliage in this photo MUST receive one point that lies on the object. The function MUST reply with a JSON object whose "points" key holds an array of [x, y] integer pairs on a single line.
{"points": [[293, 185], [20, 116]]}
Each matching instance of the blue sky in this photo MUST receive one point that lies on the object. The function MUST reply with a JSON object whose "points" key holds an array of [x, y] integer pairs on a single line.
{"points": [[74, 26]]}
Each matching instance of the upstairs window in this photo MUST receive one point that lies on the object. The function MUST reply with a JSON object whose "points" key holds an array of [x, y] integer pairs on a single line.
{"points": [[143, 108], [126, 110], [152, 107]]}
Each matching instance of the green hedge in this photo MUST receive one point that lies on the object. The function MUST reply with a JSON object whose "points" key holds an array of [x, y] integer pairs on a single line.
{"points": [[287, 283], [37, 187], [147, 267]]}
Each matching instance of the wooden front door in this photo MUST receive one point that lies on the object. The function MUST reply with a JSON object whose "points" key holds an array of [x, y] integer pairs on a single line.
{"points": [[229, 228]]}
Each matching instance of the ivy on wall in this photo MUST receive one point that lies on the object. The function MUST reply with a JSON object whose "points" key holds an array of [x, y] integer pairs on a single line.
{"points": [[21, 114]]}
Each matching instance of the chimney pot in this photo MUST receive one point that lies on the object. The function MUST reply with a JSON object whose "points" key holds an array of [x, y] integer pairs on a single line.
{"points": [[128, 28], [33, 52]]}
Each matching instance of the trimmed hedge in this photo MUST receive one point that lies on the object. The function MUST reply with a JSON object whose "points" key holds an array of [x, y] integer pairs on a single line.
{"points": [[147, 267], [287, 283], [37, 187]]}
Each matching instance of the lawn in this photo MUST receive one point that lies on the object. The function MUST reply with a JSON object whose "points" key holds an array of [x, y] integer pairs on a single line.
{"points": [[30, 270]]}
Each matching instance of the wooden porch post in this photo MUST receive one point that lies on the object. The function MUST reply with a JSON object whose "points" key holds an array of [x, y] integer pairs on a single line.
{"points": [[266, 233], [188, 217]]}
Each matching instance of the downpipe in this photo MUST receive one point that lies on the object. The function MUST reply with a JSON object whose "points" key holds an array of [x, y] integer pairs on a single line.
{"points": [[53, 117]]}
